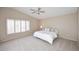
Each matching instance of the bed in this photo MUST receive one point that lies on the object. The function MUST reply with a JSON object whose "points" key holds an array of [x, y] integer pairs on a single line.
{"points": [[48, 36]]}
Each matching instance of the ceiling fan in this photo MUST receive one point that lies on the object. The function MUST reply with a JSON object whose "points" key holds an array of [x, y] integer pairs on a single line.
{"points": [[37, 11]]}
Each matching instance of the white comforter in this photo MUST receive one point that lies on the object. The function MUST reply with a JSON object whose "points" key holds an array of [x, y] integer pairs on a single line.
{"points": [[47, 36]]}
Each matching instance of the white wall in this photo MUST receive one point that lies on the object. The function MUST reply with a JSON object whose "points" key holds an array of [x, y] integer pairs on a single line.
{"points": [[78, 24], [66, 25]]}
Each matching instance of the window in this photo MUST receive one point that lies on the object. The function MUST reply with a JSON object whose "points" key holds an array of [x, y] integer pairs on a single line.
{"points": [[27, 25], [23, 26], [15, 26], [10, 26]]}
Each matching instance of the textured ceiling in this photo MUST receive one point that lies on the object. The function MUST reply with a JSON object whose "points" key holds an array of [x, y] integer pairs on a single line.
{"points": [[49, 11]]}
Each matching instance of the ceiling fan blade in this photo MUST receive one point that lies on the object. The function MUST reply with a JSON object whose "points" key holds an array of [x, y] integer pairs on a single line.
{"points": [[38, 13], [33, 12], [32, 9], [42, 11]]}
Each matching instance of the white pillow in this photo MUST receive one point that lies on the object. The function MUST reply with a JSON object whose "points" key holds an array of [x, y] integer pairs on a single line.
{"points": [[56, 31], [43, 29], [46, 29], [52, 29]]}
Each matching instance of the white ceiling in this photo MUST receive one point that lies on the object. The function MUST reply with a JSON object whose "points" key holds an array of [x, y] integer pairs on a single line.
{"points": [[49, 11]]}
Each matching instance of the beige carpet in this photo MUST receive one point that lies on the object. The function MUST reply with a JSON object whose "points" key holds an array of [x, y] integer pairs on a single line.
{"points": [[34, 44]]}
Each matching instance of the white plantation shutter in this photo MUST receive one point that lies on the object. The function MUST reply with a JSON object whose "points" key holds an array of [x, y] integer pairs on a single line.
{"points": [[23, 26], [15, 26], [10, 26], [27, 25]]}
